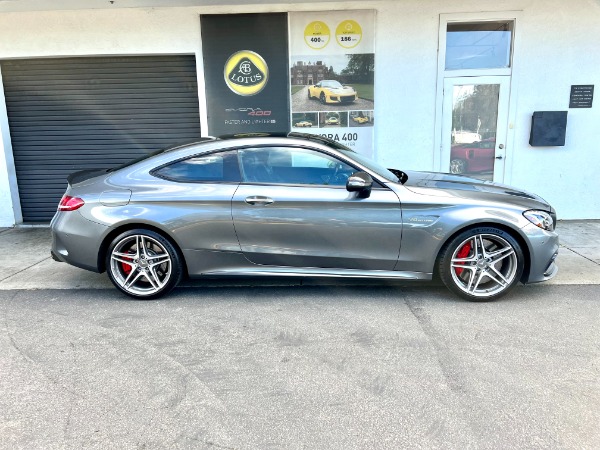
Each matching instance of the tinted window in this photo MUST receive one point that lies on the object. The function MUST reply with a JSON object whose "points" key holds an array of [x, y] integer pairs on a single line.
{"points": [[293, 166], [217, 167]]}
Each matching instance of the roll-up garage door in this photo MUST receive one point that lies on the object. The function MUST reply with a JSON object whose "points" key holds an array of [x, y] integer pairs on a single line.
{"points": [[70, 114]]}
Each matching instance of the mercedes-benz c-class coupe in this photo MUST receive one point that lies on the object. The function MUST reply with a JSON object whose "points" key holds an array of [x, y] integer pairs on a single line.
{"points": [[298, 205]]}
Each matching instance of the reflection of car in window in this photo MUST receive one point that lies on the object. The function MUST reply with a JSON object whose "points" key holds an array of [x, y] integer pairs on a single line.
{"points": [[332, 91], [473, 157]]}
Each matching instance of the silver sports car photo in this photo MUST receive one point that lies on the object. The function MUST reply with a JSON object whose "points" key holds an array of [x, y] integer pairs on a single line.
{"points": [[298, 205]]}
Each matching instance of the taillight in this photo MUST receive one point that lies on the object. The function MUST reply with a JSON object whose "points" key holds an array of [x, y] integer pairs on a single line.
{"points": [[68, 203]]}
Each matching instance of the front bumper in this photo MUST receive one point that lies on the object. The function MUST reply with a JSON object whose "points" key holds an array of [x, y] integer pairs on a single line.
{"points": [[76, 240], [335, 98], [543, 250]]}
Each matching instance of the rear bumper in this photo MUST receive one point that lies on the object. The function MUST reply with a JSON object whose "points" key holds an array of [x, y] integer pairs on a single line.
{"points": [[76, 240], [543, 249]]}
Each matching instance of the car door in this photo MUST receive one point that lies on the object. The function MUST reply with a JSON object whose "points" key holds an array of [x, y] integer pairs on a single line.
{"points": [[292, 209], [194, 200]]}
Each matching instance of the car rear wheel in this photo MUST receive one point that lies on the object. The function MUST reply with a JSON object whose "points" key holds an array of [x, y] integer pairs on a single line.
{"points": [[458, 166], [143, 264], [481, 264]]}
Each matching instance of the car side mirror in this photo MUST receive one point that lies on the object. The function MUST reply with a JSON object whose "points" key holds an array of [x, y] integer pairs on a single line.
{"points": [[360, 182]]}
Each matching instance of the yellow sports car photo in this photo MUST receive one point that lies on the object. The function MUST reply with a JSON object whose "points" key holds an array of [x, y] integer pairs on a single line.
{"points": [[360, 119], [332, 121], [332, 91], [304, 123]]}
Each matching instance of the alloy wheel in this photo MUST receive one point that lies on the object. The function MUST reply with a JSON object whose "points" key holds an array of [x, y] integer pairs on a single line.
{"points": [[140, 265], [458, 166], [484, 265]]}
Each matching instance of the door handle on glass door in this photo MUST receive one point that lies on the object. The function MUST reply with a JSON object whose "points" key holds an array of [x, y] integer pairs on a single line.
{"points": [[258, 200]]}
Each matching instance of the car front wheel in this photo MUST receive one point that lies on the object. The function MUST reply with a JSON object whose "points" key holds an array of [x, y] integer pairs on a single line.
{"points": [[481, 264], [143, 264], [458, 166], [322, 98]]}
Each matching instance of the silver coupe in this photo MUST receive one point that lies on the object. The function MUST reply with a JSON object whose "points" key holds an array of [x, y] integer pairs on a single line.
{"points": [[298, 205]]}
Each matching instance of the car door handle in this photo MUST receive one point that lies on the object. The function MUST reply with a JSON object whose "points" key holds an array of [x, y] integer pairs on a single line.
{"points": [[258, 200], [498, 157]]}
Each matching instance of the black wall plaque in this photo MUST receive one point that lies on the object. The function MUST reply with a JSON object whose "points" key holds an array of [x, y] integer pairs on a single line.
{"points": [[246, 73], [582, 96], [548, 129]]}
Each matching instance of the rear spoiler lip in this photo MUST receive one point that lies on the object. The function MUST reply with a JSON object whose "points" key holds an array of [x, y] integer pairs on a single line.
{"points": [[83, 175]]}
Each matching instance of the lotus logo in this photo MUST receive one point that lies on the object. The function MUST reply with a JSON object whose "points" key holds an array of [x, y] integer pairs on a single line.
{"points": [[246, 73]]}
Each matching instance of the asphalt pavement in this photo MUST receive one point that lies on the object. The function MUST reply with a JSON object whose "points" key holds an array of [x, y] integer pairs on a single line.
{"points": [[296, 363], [294, 367]]}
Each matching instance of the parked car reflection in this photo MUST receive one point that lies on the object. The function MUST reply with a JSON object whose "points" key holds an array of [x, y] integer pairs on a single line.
{"points": [[475, 157]]}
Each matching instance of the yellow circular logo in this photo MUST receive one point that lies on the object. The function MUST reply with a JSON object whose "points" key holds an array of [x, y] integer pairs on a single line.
{"points": [[348, 33], [317, 35], [246, 73]]}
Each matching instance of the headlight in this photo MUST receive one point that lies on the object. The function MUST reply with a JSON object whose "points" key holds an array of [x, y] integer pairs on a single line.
{"points": [[540, 219]]}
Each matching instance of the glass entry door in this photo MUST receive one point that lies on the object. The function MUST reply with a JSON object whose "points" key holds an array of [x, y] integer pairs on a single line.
{"points": [[475, 116]]}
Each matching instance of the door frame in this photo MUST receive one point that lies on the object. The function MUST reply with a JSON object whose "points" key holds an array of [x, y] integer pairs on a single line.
{"points": [[512, 72], [501, 125]]}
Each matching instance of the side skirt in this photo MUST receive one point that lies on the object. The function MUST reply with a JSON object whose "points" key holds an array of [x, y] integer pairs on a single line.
{"points": [[317, 272]]}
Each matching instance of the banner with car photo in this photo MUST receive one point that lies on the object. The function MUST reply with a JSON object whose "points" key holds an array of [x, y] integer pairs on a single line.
{"points": [[332, 63]]}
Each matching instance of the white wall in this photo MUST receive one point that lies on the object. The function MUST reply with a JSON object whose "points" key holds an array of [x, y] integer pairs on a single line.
{"points": [[557, 48]]}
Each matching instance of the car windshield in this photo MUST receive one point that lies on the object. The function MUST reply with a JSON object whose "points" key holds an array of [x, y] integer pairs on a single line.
{"points": [[332, 84], [365, 161]]}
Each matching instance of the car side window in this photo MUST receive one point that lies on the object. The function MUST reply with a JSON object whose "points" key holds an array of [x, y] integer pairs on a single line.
{"points": [[215, 167], [291, 165]]}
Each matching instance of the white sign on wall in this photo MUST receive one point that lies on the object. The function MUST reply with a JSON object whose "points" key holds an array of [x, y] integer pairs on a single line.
{"points": [[332, 61]]}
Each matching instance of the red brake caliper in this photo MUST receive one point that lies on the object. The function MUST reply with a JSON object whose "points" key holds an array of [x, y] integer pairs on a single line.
{"points": [[126, 267], [463, 253]]}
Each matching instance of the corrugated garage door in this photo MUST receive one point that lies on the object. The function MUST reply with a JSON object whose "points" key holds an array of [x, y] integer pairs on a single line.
{"points": [[70, 114]]}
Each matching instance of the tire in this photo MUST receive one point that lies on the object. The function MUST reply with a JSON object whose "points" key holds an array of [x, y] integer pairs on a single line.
{"points": [[481, 264], [153, 269], [310, 97], [458, 166], [322, 98]]}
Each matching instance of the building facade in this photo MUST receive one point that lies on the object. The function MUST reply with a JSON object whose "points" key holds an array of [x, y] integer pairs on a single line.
{"points": [[456, 87]]}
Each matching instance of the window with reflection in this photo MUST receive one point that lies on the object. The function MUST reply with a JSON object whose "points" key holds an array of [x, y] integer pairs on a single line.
{"points": [[291, 165], [214, 167], [479, 45]]}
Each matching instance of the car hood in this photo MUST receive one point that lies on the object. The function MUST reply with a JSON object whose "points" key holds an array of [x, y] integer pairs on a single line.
{"points": [[461, 186]]}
